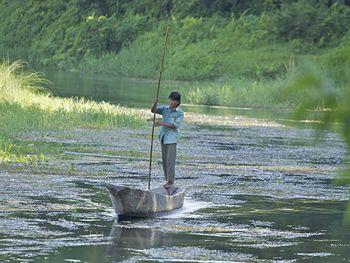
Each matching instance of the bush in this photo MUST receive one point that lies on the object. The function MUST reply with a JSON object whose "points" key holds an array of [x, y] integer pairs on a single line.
{"points": [[317, 24]]}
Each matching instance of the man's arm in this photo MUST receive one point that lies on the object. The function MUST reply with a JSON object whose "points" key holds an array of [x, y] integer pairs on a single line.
{"points": [[174, 125], [166, 124]]}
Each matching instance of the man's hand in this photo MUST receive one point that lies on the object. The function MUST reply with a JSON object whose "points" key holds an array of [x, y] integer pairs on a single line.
{"points": [[154, 106], [165, 124], [158, 123]]}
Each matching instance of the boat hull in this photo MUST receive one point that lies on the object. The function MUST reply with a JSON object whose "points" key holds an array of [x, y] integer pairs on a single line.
{"points": [[129, 202]]}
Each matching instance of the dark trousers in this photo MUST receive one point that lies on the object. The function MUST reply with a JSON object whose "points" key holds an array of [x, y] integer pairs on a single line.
{"points": [[168, 160]]}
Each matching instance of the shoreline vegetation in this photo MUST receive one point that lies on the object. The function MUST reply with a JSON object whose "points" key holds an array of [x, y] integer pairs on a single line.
{"points": [[26, 105], [237, 55]]}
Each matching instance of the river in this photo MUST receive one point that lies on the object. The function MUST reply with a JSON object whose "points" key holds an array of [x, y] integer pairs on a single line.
{"points": [[257, 190], [139, 93]]}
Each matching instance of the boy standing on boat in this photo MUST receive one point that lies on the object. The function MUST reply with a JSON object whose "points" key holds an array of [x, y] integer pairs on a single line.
{"points": [[169, 133]]}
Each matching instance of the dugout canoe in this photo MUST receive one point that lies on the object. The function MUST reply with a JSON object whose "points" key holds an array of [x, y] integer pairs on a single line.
{"points": [[129, 202]]}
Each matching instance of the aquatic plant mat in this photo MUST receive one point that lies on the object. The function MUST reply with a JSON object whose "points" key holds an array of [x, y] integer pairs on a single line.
{"points": [[256, 191]]}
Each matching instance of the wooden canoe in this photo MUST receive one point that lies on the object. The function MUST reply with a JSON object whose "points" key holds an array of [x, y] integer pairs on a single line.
{"points": [[129, 202]]}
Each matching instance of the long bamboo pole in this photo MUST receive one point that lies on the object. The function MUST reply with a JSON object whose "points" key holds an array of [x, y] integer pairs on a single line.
{"points": [[157, 96]]}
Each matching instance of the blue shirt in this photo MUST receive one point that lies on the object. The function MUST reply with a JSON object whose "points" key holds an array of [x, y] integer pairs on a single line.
{"points": [[174, 117]]}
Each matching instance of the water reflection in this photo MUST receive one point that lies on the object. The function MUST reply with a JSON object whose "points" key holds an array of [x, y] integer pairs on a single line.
{"points": [[139, 93], [126, 92], [129, 238]]}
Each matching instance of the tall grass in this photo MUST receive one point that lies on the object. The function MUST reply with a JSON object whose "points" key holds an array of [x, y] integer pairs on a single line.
{"points": [[25, 105], [237, 93]]}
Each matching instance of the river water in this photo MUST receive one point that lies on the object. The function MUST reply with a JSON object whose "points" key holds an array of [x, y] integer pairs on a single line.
{"points": [[257, 191], [138, 93]]}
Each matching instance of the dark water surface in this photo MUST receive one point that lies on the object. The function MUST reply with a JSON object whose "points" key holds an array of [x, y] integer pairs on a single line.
{"points": [[256, 192], [139, 93]]}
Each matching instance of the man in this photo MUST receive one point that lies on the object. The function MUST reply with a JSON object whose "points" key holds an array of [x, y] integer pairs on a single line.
{"points": [[169, 134]]}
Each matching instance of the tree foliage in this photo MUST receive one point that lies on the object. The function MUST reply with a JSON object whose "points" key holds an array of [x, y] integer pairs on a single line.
{"points": [[64, 32]]}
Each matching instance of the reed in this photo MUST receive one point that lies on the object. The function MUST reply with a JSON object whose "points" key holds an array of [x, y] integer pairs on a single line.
{"points": [[237, 93], [26, 105]]}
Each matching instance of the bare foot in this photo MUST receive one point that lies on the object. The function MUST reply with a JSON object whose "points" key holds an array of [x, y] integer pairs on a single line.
{"points": [[168, 184]]}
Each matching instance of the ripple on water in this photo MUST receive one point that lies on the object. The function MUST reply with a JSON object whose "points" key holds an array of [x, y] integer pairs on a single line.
{"points": [[187, 211], [252, 195], [195, 254]]}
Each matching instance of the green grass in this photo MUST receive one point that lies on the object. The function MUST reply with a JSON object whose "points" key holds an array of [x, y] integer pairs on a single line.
{"points": [[238, 93], [26, 106]]}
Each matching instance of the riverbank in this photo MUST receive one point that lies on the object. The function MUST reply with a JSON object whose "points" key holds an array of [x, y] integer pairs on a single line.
{"points": [[25, 105], [248, 83]]}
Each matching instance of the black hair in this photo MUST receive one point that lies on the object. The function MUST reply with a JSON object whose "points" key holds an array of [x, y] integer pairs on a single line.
{"points": [[174, 95]]}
